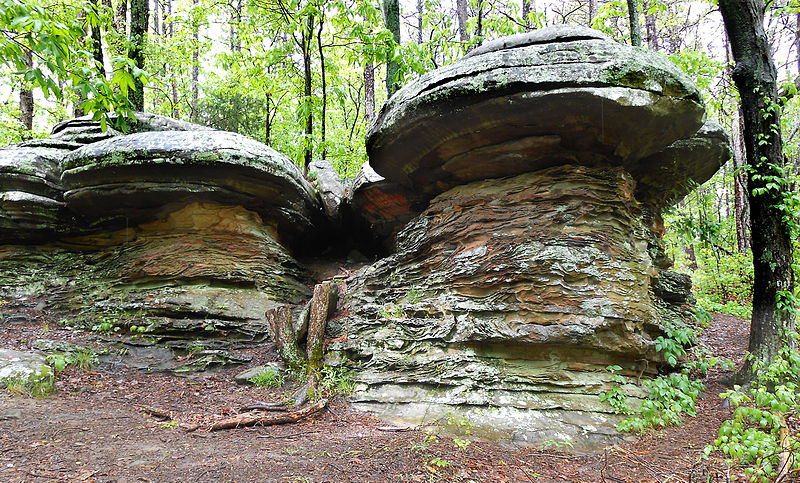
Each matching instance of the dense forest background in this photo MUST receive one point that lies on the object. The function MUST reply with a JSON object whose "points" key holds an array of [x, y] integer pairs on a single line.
{"points": [[307, 77]]}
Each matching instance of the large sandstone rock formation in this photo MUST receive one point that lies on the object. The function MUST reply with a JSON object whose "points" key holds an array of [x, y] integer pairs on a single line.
{"points": [[547, 159], [187, 231]]}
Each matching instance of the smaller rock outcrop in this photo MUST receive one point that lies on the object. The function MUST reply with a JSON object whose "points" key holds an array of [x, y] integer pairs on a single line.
{"points": [[28, 370], [31, 206]]}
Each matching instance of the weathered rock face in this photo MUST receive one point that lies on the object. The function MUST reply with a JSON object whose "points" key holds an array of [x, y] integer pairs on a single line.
{"points": [[31, 206], [510, 296], [547, 159], [527, 102], [187, 232], [378, 208]]}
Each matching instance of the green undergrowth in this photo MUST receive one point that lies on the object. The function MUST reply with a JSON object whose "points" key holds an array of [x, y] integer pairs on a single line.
{"points": [[673, 395], [83, 359], [39, 387], [762, 434]]}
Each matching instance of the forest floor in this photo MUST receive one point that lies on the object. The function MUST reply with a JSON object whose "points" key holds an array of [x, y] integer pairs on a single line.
{"points": [[94, 429]]}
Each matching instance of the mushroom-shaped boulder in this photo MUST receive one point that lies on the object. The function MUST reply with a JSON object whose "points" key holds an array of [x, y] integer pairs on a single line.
{"points": [[130, 179], [561, 95], [545, 160]]}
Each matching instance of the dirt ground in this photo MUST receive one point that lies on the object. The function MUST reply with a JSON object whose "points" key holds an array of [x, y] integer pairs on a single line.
{"points": [[93, 429]]}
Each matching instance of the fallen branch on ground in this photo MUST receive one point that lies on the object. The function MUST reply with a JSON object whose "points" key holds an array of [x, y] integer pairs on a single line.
{"points": [[244, 421]]}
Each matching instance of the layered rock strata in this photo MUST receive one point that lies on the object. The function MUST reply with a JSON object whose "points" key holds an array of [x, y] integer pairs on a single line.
{"points": [[188, 232], [547, 159]]}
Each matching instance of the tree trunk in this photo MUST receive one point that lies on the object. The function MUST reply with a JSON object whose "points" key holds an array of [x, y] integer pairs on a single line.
{"points": [[324, 88], [633, 16], [323, 305], [741, 208], [420, 12], [281, 328], [156, 17], [307, 38], [369, 92], [97, 44], [26, 97], [138, 39], [462, 15], [652, 32], [391, 14], [196, 63], [592, 11], [526, 10], [756, 79], [121, 18], [479, 26]]}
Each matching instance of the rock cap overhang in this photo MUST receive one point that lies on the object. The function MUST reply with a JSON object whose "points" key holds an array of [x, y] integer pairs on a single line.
{"points": [[559, 95], [137, 176]]}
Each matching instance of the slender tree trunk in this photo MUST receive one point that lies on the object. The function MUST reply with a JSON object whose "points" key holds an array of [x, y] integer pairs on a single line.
{"points": [[307, 38], [479, 26], [139, 19], [652, 32], [756, 79], [121, 18], [173, 78], [268, 121], [526, 10], [633, 16], [592, 11], [324, 87], [26, 97], [97, 44], [157, 17], [740, 206], [391, 13], [797, 40], [420, 13], [462, 15], [369, 92], [196, 64]]}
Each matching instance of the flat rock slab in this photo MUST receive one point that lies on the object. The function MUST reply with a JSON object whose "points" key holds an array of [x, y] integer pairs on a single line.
{"points": [[26, 366]]}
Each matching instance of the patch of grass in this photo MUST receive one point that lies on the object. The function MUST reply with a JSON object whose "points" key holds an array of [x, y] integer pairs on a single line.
{"points": [[83, 359], [337, 379], [39, 387], [268, 377]]}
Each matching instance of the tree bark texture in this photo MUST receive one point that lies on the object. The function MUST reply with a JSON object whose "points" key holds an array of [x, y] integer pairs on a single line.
{"points": [[139, 19], [196, 65], [652, 32], [324, 88], [633, 16], [26, 97], [281, 327], [756, 79], [391, 14], [305, 44], [462, 15], [369, 92], [592, 11], [323, 305]]}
